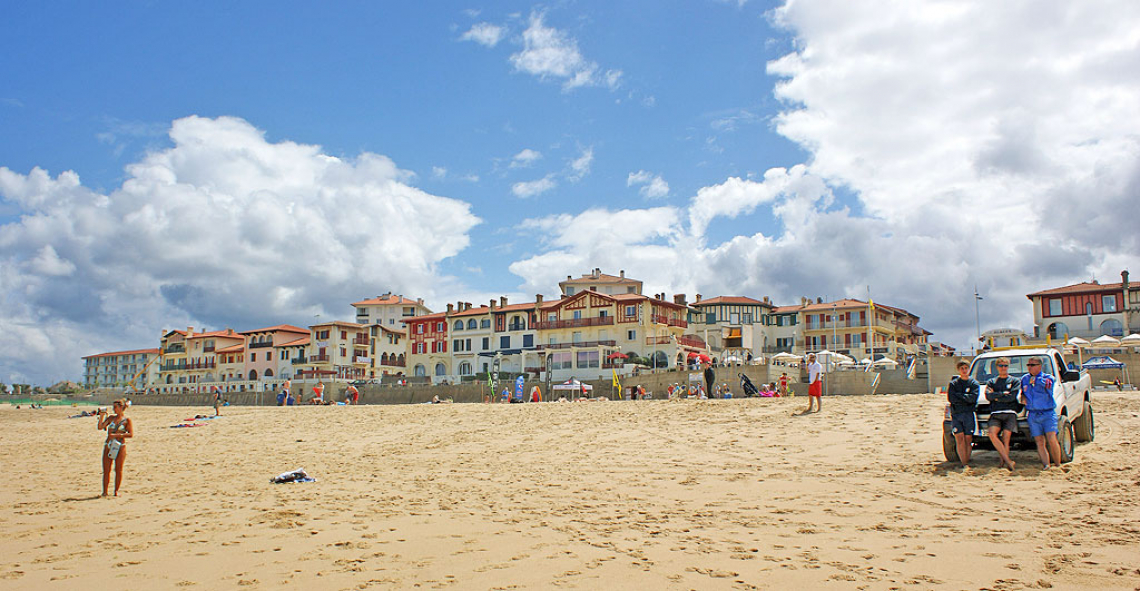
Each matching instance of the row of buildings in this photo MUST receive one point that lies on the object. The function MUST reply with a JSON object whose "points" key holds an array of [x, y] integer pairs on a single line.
{"points": [[597, 323]]}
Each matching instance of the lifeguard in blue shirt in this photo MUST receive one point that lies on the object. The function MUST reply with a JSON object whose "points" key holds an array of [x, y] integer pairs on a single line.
{"points": [[1041, 412]]}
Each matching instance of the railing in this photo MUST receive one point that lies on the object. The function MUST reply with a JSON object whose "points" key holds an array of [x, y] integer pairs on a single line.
{"points": [[612, 365], [578, 345], [261, 345], [208, 349], [299, 360], [574, 323], [516, 326], [360, 340], [392, 363], [318, 359], [189, 366], [175, 349], [660, 319]]}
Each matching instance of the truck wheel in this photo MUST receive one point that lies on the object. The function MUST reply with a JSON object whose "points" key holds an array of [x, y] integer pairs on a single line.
{"points": [[1065, 439], [949, 446], [1085, 429]]}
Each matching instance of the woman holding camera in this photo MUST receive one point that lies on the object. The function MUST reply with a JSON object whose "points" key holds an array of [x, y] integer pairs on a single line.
{"points": [[119, 428]]}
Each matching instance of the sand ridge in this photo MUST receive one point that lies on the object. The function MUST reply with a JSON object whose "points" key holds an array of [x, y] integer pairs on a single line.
{"points": [[735, 494]]}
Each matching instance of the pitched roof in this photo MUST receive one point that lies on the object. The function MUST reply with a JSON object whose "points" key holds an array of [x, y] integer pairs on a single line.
{"points": [[599, 278], [387, 300], [301, 341], [215, 334], [732, 300], [238, 348], [1085, 287], [340, 323], [392, 330], [116, 353], [278, 328], [426, 317]]}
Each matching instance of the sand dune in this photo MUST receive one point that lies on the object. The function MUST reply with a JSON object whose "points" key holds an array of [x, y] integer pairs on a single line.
{"points": [[654, 495]]}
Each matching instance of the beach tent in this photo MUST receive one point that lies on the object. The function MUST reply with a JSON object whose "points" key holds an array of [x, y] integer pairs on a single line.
{"points": [[1131, 340], [886, 361], [1078, 342], [1105, 341], [1105, 362], [786, 356], [574, 385]]}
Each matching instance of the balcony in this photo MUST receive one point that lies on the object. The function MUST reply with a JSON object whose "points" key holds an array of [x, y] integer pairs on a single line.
{"points": [[575, 323], [360, 341], [299, 360], [516, 326], [659, 319], [260, 345], [179, 348], [208, 349], [319, 359], [578, 345]]}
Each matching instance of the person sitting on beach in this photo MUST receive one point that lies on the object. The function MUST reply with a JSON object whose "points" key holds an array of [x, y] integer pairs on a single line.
{"points": [[318, 393], [435, 399], [535, 394], [962, 394], [119, 428]]}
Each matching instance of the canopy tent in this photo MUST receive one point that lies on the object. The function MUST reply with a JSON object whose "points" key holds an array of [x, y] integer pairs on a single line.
{"points": [[886, 361], [1102, 362], [574, 386], [1078, 342], [731, 359], [865, 361], [786, 356], [833, 357], [1131, 340]]}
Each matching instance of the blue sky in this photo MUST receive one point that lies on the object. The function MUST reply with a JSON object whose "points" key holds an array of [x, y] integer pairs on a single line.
{"points": [[724, 147]]}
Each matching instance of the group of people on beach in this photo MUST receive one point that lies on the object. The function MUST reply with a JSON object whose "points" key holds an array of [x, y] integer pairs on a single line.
{"points": [[1007, 396]]}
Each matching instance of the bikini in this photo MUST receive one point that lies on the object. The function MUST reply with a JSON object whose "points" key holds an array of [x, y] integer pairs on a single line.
{"points": [[114, 445]]}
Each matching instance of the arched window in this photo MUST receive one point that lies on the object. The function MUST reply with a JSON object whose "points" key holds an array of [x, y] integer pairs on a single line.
{"points": [[1112, 327], [420, 371], [472, 324], [269, 373], [458, 325], [1058, 330], [464, 369], [400, 360], [440, 369], [253, 374], [384, 359]]}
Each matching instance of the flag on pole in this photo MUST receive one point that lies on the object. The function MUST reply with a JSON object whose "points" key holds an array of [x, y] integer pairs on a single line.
{"points": [[617, 382]]}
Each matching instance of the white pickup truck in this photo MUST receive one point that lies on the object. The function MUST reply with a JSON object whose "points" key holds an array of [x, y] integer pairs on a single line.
{"points": [[1071, 393]]}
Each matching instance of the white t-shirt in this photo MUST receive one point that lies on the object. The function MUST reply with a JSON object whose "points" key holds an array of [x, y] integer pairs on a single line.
{"points": [[814, 369]]}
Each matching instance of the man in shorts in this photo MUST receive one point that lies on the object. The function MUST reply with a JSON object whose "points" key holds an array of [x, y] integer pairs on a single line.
{"points": [[962, 394], [1003, 392], [815, 384], [1037, 394]]}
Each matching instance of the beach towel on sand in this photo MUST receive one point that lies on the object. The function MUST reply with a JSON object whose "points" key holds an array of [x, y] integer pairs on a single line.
{"points": [[297, 475], [181, 425]]}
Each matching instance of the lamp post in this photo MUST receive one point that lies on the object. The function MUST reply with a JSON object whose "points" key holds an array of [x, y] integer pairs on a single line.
{"points": [[977, 318]]}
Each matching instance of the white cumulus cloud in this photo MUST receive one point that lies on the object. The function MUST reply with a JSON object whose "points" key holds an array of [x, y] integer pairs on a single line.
{"points": [[525, 158], [652, 186], [580, 166], [485, 34], [223, 228], [550, 53], [526, 189]]}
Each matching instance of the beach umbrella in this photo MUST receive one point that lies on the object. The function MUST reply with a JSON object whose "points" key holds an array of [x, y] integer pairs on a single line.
{"points": [[618, 355], [887, 361], [1132, 340], [786, 356], [865, 361], [1078, 342], [1105, 341]]}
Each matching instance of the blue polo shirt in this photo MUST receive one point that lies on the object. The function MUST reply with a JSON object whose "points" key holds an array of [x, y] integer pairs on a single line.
{"points": [[1039, 396]]}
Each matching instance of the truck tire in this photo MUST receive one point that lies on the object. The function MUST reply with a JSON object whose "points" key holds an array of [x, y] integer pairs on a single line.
{"points": [[949, 446], [1065, 439], [1085, 427]]}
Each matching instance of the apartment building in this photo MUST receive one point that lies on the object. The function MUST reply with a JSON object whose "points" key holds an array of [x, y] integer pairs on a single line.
{"points": [[599, 282], [190, 359], [289, 355], [1087, 310], [737, 326], [336, 349], [389, 310], [261, 359], [136, 369], [388, 350], [427, 345], [861, 329]]}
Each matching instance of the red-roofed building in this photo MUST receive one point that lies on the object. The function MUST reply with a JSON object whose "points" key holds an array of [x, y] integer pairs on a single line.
{"points": [[736, 326], [261, 361], [389, 310], [1087, 310], [599, 282]]}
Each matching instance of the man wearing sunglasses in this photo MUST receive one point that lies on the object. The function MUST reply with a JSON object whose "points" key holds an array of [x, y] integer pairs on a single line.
{"points": [[1003, 392], [1037, 394]]}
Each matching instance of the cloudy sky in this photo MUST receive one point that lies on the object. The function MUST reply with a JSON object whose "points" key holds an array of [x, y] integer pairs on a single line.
{"points": [[241, 165]]}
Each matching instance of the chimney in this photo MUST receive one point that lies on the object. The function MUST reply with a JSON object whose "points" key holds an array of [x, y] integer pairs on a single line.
{"points": [[420, 301], [492, 304], [538, 299], [621, 273], [569, 277], [766, 301], [450, 309], [229, 330], [597, 272], [503, 301], [189, 330], [680, 299], [698, 298]]}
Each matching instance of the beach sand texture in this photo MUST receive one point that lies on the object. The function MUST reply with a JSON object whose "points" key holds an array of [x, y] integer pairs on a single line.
{"points": [[612, 495]]}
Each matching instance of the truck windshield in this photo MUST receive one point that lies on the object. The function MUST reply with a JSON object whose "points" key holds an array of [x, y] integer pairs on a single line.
{"points": [[984, 369]]}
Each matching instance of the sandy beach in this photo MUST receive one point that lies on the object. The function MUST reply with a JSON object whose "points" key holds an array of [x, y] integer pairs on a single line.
{"points": [[654, 495]]}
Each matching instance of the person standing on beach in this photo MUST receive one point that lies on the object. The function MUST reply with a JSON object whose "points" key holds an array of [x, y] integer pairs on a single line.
{"points": [[318, 393], [119, 428], [351, 395], [217, 400], [710, 378], [1003, 392], [783, 384], [1037, 394], [962, 394], [815, 384]]}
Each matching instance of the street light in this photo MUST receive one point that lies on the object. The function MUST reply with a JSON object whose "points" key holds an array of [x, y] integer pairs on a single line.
{"points": [[977, 317]]}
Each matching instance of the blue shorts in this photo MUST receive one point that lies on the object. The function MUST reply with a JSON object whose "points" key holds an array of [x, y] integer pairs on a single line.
{"points": [[963, 422], [1042, 422]]}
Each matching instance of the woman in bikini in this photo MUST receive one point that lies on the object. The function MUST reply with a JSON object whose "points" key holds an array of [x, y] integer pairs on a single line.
{"points": [[119, 428]]}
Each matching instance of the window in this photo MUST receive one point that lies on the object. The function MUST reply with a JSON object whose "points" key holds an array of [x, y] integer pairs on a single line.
{"points": [[577, 314], [1112, 327], [528, 340], [344, 335], [440, 369], [1108, 303], [485, 323], [561, 361], [631, 310], [631, 335], [486, 343], [420, 371], [603, 313], [342, 353], [458, 325], [569, 291], [505, 342], [551, 317], [419, 329], [1055, 307], [577, 338], [631, 289], [472, 324], [587, 359], [746, 318], [734, 318], [439, 326], [464, 369], [252, 357], [710, 318], [457, 344]]}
